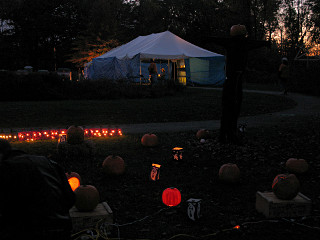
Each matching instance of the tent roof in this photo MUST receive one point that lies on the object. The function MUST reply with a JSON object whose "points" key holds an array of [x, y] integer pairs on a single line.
{"points": [[164, 45]]}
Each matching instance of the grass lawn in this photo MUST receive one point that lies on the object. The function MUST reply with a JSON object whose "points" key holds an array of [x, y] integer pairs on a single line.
{"points": [[133, 196], [188, 105]]}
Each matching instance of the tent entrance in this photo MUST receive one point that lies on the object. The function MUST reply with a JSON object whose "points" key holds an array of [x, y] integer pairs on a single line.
{"points": [[181, 72]]}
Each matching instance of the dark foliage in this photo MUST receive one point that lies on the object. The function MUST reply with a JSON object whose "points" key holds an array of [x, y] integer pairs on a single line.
{"points": [[41, 87]]}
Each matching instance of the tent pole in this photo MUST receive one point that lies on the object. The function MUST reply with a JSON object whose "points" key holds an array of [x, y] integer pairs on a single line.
{"points": [[174, 72], [169, 73], [140, 71]]}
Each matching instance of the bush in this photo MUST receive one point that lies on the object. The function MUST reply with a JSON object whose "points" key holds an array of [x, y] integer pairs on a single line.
{"points": [[305, 77], [39, 87]]}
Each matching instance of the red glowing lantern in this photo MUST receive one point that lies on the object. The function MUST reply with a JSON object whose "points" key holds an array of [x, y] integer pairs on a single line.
{"points": [[171, 197]]}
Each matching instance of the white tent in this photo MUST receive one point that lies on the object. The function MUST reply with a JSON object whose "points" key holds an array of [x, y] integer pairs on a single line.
{"points": [[199, 65]]}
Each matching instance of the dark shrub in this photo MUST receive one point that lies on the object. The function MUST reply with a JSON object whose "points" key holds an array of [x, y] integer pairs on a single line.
{"points": [[39, 86]]}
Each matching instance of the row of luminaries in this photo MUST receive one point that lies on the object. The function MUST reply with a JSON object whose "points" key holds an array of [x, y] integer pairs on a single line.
{"points": [[284, 186]]}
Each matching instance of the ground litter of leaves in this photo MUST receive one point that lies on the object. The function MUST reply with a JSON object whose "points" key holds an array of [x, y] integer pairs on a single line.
{"points": [[262, 156]]}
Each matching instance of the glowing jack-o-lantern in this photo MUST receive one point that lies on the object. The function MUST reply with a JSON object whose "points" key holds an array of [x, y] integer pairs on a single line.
{"points": [[155, 172], [74, 180], [177, 153], [62, 137], [74, 183], [171, 197]]}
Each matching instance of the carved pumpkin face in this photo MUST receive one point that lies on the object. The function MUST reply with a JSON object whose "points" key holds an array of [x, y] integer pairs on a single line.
{"points": [[75, 135], [74, 183], [113, 165], [87, 198], [74, 180], [295, 165], [229, 173], [149, 140], [171, 197], [286, 186]]}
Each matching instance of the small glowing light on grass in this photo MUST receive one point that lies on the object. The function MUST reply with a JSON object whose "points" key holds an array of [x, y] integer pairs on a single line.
{"points": [[236, 227], [177, 153], [155, 172]]}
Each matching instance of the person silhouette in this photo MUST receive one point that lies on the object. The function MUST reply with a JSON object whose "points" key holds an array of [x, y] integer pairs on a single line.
{"points": [[35, 197], [237, 47]]}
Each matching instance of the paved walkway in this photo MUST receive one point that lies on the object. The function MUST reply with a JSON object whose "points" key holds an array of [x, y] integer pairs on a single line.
{"points": [[307, 106]]}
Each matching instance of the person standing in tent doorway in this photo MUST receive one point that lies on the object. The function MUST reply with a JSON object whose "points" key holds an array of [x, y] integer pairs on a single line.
{"points": [[283, 74], [153, 72], [237, 48]]}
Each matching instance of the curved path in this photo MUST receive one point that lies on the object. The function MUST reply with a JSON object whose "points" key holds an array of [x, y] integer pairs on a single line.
{"points": [[307, 106]]}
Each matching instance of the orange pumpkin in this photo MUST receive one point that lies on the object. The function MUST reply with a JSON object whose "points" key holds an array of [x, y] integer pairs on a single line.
{"points": [[295, 165], [286, 186], [203, 134], [113, 165], [87, 198], [238, 30], [74, 180], [229, 173], [75, 135], [171, 197], [149, 140]]}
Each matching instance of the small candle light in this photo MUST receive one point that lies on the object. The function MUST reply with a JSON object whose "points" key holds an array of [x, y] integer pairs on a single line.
{"points": [[155, 172], [177, 153], [194, 210], [62, 137]]}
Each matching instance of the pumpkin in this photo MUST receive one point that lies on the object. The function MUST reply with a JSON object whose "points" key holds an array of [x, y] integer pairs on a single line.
{"points": [[298, 166], [238, 30], [87, 198], [202, 134], [74, 180], [229, 173], [149, 140], [171, 197], [75, 135], [286, 186], [113, 165]]}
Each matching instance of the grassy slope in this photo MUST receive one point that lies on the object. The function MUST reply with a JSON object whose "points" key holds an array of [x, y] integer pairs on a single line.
{"points": [[189, 105]]}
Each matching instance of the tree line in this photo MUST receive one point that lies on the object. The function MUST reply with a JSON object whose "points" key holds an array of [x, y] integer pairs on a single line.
{"points": [[68, 33]]}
